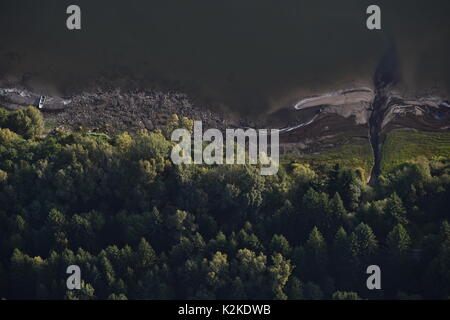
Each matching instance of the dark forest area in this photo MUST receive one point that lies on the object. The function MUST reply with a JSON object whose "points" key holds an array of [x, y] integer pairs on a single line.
{"points": [[140, 227]]}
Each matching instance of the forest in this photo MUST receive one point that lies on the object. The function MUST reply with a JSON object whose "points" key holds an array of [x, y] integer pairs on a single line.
{"points": [[140, 227]]}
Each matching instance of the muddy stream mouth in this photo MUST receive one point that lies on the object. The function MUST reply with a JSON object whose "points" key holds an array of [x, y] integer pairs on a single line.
{"points": [[379, 107], [386, 75]]}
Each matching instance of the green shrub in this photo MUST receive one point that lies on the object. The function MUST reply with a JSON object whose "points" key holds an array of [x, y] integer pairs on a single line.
{"points": [[27, 122]]}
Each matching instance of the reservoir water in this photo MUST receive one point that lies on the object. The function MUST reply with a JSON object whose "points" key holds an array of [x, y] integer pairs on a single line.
{"points": [[247, 56]]}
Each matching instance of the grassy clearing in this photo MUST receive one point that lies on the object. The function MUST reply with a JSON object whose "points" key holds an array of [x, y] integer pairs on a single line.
{"points": [[98, 135], [351, 155], [50, 124], [404, 145]]}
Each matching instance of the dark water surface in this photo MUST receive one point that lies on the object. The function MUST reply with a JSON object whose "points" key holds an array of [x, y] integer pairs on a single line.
{"points": [[252, 55]]}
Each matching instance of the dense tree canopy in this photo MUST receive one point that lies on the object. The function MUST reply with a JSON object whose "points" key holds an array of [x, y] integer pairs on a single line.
{"points": [[140, 227]]}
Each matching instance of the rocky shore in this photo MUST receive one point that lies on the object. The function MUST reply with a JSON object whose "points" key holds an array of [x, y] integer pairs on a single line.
{"points": [[308, 127], [114, 110]]}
